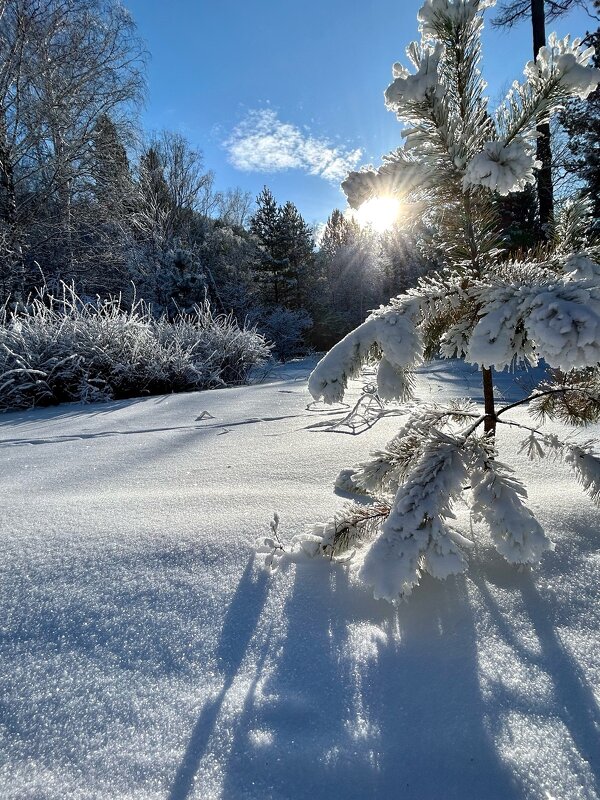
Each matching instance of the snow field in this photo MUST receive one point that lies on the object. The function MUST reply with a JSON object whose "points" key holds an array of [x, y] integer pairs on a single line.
{"points": [[146, 655]]}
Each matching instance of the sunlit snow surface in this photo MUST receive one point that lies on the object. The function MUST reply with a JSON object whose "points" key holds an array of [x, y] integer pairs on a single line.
{"points": [[145, 655]]}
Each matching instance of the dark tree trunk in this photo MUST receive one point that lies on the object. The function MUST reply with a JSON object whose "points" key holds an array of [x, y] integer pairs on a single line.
{"points": [[544, 152], [13, 268], [488, 402]]}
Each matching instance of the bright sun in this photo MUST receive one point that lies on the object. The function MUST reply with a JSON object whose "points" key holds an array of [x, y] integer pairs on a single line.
{"points": [[379, 213]]}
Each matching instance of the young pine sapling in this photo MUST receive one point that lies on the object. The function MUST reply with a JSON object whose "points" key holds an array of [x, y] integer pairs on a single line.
{"points": [[491, 309]]}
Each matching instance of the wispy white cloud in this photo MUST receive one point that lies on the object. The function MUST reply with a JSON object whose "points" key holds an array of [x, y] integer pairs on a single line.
{"points": [[261, 142]]}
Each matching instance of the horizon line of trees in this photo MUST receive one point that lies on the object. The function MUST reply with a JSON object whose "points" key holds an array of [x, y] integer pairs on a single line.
{"points": [[87, 199]]}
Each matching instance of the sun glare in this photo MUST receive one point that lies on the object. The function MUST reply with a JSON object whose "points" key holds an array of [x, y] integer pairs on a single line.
{"points": [[379, 213]]}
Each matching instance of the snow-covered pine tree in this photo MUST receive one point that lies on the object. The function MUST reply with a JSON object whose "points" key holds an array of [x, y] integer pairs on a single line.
{"points": [[486, 306]]}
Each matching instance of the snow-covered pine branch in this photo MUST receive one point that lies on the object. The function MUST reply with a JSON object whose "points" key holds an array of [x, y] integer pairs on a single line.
{"points": [[498, 500], [390, 334], [383, 473], [416, 537], [503, 166], [559, 72], [572, 397], [586, 467], [528, 312], [350, 528], [580, 458]]}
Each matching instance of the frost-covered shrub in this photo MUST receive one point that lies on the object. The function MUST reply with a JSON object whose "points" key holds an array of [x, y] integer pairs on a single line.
{"points": [[285, 328], [63, 349], [482, 306]]}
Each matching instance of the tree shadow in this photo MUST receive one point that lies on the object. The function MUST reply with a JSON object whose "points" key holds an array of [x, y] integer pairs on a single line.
{"points": [[16, 417], [103, 637], [359, 699], [574, 697], [18, 442], [509, 385], [369, 701], [238, 628], [573, 700]]}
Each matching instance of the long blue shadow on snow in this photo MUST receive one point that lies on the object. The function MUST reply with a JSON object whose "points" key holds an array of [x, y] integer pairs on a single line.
{"points": [[574, 701], [17, 442], [510, 385], [409, 722], [239, 625]]}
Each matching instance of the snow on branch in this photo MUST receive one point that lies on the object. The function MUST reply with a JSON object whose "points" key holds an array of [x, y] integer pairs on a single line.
{"points": [[503, 167], [586, 467], [564, 323], [416, 537], [390, 333], [384, 472], [414, 88], [566, 62], [497, 500], [438, 17], [560, 72], [533, 313], [580, 458], [398, 175]]}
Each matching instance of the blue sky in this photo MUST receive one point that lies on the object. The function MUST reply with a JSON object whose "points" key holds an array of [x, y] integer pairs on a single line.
{"points": [[290, 94]]}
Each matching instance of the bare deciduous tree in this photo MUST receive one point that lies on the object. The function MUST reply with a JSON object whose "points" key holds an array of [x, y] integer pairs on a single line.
{"points": [[63, 64], [235, 207], [513, 11]]}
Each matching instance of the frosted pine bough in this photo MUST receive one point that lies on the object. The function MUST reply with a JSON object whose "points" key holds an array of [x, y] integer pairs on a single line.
{"points": [[502, 167], [484, 306]]}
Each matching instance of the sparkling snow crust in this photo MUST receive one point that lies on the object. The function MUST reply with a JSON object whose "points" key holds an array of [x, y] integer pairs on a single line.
{"points": [[145, 655]]}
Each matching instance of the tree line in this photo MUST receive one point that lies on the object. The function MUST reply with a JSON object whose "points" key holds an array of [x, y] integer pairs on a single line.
{"points": [[86, 198]]}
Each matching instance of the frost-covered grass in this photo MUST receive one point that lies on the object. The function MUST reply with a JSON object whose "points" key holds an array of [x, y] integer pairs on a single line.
{"points": [[63, 349], [146, 655]]}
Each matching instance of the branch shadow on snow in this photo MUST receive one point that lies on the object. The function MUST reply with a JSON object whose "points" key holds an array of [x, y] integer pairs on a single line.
{"points": [[348, 698], [238, 629], [572, 701], [575, 699], [124, 626], [359, 700]]}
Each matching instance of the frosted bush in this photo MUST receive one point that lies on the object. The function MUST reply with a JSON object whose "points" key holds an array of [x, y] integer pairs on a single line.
{"points": [[63, 349]]}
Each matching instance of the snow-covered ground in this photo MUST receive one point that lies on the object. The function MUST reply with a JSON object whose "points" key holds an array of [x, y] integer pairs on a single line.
{"points": [[145, 654]]}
